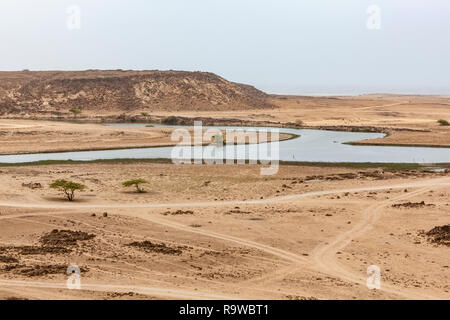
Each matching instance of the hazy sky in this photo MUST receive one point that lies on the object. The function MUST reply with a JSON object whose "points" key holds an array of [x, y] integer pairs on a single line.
{"points": [[276, 45]]}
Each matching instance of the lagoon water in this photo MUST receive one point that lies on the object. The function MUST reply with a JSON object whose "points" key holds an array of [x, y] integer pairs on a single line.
{"points": [[311, 146]]}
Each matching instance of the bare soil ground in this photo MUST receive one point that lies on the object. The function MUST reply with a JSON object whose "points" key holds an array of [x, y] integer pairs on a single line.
{"points": [[225, 231], [216, 232], [409, 120], [33, 136]]}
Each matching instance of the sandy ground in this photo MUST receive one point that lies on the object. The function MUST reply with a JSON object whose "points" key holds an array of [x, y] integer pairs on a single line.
{"points": [[419, 113], [388, 113], [33, 136], [216, 232], [221, 232]]}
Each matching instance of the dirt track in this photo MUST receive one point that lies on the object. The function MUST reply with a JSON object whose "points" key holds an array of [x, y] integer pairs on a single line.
{"points": [[321, 261]]}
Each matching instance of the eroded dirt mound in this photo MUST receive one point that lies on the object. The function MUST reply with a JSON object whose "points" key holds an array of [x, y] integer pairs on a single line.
{"points": [[237, 210], [55, 93], [38, 270], [439, 235], [62, 238], [149, 246], [32, 185], [412, 205], [55, 242], [36, 250]]}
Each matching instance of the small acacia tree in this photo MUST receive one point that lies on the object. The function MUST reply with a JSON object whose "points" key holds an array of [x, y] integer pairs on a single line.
{"points": [[68, 187], [136, 183], [75, 112]]}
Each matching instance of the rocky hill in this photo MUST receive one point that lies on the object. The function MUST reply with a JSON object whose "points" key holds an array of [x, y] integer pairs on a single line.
{"points": [[56, 92]]}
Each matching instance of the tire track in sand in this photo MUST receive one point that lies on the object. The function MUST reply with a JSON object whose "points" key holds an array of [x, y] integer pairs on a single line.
{"points": [[152, 291], [324, 256]]}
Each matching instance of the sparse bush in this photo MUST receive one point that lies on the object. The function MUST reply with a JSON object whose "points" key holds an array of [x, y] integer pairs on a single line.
{"points": [[171, 120], [443, 122], [75, 111], [136, 183], [144, 114], [67, 187]]}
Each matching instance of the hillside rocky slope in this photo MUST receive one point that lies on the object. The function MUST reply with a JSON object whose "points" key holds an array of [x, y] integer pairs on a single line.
{"points": [[56, 92]]}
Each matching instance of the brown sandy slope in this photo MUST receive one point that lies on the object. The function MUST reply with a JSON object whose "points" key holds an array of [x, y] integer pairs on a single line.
{"points": [[305, 233], [51, 93]]}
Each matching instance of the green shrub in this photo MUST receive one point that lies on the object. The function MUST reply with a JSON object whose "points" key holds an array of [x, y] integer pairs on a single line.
{"points": [[75, 111], [443, 122], [171, 120], [136, 183]]}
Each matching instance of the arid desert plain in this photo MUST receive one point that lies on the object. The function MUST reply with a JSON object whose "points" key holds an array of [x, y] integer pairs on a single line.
{"points": [[311, 231]]}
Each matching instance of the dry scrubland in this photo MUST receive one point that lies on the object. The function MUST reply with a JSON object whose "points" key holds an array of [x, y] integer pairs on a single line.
{"points": [[213, 232], [307, 233]]}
